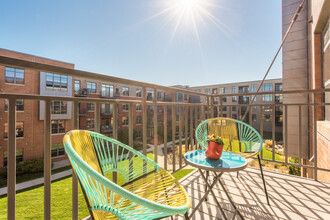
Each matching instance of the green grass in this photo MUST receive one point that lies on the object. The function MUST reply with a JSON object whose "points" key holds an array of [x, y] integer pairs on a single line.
{"points": [[182, 173], [29, 203]]}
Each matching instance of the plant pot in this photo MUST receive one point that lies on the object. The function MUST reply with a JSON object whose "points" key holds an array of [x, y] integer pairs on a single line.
{"points": [[213, 151]]}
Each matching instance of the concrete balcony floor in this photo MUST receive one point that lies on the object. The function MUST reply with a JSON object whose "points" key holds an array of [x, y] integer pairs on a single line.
{"points": [[291, 197]]}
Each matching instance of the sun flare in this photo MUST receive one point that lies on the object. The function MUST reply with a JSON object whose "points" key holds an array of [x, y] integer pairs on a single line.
{"points": [[188, 16]]}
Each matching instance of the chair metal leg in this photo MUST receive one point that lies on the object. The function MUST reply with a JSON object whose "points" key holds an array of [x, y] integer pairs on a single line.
{"points": [[207, 178], [263, 179]]}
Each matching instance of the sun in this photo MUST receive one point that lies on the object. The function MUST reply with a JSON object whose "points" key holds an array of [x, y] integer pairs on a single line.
{"points": [[187, 16]]}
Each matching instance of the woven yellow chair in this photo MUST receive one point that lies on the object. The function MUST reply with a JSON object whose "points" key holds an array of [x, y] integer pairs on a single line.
{"points": [[147, 191], [238, 137]]}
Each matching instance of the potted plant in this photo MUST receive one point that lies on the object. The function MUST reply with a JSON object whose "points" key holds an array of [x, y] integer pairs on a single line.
{"points": [[215, 147]]}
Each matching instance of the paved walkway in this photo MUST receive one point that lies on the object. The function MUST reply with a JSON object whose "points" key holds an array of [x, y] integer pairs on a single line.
{"points": [[40, 181]]}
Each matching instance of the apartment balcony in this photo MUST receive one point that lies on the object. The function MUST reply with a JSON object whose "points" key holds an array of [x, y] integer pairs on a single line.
{"points": [[108, 95], [291, 196], [81, 92], [106, 129]]}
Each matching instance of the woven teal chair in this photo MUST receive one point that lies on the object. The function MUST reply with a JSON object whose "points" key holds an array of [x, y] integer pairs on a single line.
{"points": [[143, 190], [238, 137]]}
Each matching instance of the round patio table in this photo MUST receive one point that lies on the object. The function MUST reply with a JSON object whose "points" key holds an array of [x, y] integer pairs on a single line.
{"points": [[229, 162]]}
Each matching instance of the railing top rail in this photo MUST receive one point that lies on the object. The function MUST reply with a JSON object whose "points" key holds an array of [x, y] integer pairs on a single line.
{"points": [[300, 91], [85, 74], [89, 99]]}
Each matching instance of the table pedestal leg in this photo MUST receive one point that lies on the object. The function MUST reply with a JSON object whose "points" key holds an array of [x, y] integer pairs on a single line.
{"points": [[230, 199], [209, 189]]}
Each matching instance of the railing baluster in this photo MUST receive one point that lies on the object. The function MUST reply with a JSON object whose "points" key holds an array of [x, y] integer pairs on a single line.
{"points": [[299, 135], [165, 137], [173, 136], [262, 127], [11, 167], [47, 161], [144, 119], [97, 116], [191, 127], [315, 137], [180, 137], [186, 127], [273, 131], [115, 133], [74, 176], [155, 126], [286, 133]]}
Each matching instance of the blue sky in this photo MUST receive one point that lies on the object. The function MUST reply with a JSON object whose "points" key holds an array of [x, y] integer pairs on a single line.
{"points": [[126, 39]]}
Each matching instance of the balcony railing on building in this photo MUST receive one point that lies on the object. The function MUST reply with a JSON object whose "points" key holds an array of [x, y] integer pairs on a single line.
{"points": [[181, 117]]}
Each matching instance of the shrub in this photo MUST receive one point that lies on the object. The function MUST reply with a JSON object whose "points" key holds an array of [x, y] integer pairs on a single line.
{"points": [[30, 166], [26, 167], [294, 170]]}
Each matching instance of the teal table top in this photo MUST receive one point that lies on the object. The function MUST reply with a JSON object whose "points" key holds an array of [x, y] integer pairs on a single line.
{"points": [[227, 163]]}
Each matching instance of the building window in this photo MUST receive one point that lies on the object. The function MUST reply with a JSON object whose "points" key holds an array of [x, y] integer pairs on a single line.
{"points": [[179, 97], [159, 108], [125, 91], [19, 105], [150, 95], [267, 118], [198, 90], [91, 87], [59, 107], [159, 95], [138, 93], [90, 123], [267, 108], [107, 90], [267, 87], [224, 99], [125, 107], [243, 89], [224, 115], [150, 132], [90, 107], [159, 118], [224, 108], [207, 91], [76, 86], [19, 130], [56, 81], [234, 108], [234, 99], [138, 134], [15, 76], [215, 91], [254, 117], [234, 89], [19, 156], [58, 127], [267, 98], [278, 97], [253, 88], [106, 125], [57, 149], [223, 90], [234, 116], [125, 121], [138, 120], [278, 119], [138, 107], [106, 109]]}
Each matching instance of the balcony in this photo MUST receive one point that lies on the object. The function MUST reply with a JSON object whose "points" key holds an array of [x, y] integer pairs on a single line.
{"points": [[290, 196], [81, 92]]}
